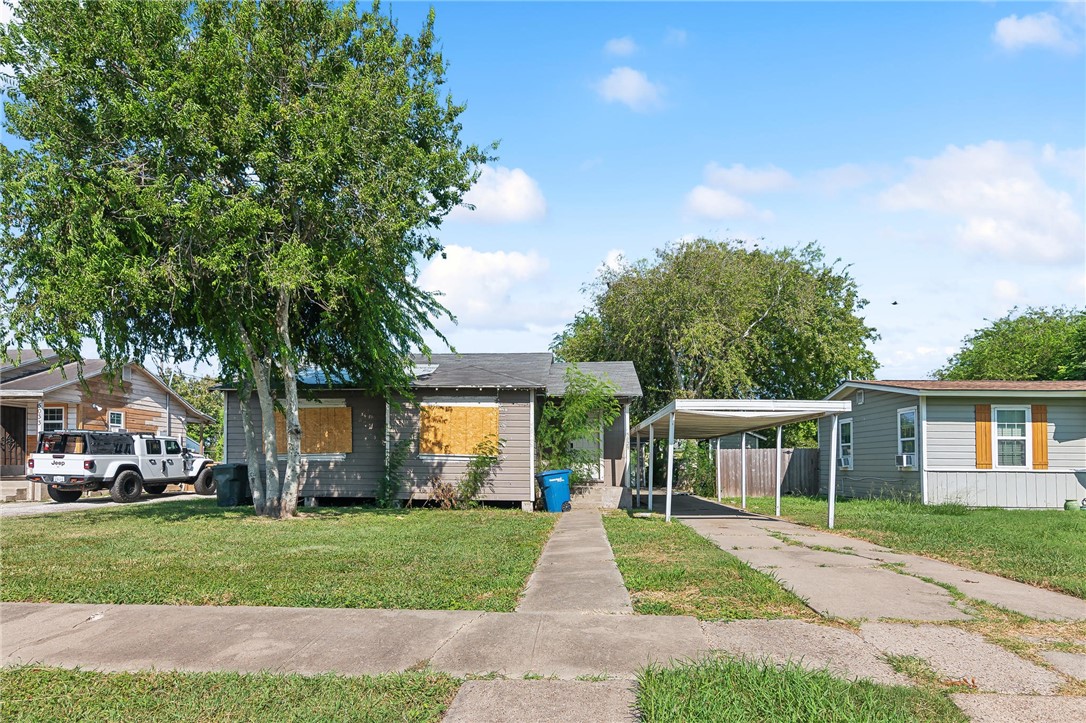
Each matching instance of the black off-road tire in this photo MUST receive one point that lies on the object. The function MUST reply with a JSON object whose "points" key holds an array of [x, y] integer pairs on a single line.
{"points": [[64, 495], [127, 487], [205, 483], [155, 489]]}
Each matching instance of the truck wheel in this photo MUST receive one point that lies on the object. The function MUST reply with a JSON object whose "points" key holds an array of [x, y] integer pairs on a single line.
{"points": [[127, 487], [205, 483], [64, 495], [154, 489]]}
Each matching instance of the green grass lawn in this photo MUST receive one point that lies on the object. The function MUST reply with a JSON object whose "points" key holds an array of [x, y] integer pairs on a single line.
{"points": [[671, 570], [194, 553], [1041, 547], [53, 694], [729, 690]]}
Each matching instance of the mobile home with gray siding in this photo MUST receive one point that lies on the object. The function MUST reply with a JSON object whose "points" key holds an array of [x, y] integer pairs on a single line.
{"points": [[457, 401], [980, 443]]}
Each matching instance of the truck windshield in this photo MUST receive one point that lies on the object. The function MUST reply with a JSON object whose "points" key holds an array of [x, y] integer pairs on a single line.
{"points": [[63, 444]]}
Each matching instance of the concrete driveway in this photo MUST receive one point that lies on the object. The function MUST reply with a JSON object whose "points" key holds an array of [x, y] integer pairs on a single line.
{"points": [[22, 509]]}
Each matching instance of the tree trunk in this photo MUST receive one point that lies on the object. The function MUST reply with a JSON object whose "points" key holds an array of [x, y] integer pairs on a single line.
{"points": [[252, 448], [262, 381], [293, 423]]}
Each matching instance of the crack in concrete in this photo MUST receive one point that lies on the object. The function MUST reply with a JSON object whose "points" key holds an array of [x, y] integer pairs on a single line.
{"points": [[454, 633]]}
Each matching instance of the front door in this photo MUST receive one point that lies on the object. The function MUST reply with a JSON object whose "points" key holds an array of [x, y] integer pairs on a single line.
{"points": [[12, 441]]}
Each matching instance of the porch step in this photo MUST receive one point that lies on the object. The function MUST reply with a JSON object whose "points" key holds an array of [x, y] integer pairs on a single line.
{"points": [[596, 494]]}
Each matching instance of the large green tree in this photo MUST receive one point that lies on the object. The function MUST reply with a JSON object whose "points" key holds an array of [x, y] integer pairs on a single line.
{"points": [[1037, 343], [253, 180], [716, 319]]}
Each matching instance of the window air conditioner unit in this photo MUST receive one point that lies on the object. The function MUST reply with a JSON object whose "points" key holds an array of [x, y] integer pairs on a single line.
{"points": [[845, 462], [906, 461]]}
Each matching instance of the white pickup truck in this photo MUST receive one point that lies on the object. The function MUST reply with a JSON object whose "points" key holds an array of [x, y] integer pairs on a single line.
{"points": [[72, 462]]}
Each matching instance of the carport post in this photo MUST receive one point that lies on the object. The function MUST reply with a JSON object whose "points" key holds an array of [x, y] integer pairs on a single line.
{"points": [[651, 455], [640, 470], [833, 471], [716, 465], [744, 465], [670, 463], [780, 477]]}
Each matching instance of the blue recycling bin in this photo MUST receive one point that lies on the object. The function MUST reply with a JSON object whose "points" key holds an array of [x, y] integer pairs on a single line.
{"points": [[555, 484]]}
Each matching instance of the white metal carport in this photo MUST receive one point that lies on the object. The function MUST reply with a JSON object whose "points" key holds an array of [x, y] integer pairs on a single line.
{"points": [[711, 418]]}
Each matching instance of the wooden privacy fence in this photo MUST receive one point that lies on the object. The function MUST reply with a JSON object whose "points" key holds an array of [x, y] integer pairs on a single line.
{"points": [[800, 472]]}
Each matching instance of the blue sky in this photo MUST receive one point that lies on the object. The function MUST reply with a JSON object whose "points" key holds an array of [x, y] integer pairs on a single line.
{"points": [[935, 148]]}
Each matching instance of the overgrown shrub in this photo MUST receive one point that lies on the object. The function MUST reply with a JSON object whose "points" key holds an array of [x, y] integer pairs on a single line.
{"points": [[576, 415], [466, 491], [390, 484]]}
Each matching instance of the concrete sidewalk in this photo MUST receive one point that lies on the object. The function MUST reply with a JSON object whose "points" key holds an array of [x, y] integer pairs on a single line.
{"points": [[351, 642], [851, 581], [576, 571]]}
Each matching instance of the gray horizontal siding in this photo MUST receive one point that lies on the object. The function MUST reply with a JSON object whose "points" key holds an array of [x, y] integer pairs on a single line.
{"points": [[355, 476], [874, 470], [997, 488], [952, 428], [512, 481]]}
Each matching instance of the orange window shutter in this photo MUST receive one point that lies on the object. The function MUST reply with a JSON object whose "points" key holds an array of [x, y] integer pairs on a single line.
{"points": [[1039, 417], [984, 436]]}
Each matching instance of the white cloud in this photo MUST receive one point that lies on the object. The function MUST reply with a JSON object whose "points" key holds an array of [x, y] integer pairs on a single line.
{"points": [[620, 46], [502, 195], [1041, 29], [717, 204], [479, 287], [1003, 205], [1006, 291], [675, 37], [614, 261], [845, 177], [630, 87], [740, 179]]}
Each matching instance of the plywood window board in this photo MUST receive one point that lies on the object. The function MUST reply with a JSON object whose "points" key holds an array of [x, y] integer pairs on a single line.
{"points": [[456, 429], [324, 430]]}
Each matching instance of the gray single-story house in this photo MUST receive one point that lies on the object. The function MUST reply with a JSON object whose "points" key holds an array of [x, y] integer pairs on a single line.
{"points": [[458, 401], [981, 443]]}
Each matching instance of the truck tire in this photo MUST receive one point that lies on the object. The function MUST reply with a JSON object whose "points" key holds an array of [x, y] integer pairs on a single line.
{"points": [[156, 489], [127, 487], [205, 483], [64, 495]]}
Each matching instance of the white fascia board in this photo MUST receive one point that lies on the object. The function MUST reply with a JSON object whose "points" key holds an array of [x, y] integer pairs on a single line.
{"points": [[770, 411], [873, 386]]}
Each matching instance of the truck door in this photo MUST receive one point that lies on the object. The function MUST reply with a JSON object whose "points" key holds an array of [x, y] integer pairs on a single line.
{"points": [[153, 464], [175, 463]]}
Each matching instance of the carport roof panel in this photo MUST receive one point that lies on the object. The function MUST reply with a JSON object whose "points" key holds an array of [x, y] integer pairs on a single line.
{"points": [[708, 418]]}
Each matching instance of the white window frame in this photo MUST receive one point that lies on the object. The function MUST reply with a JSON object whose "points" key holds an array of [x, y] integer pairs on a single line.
{"points": [[859, 396], [418, 428], [109, 420], [1028, 438], [916, 431], [841, 443], [45, 422]]}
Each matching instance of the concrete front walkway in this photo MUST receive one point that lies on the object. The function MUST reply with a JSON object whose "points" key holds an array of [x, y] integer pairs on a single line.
{"points": [[576, 571], [846, 577]]}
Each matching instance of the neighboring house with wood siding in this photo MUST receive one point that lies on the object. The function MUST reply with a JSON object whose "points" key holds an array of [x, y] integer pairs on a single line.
{"points": [[982, 443], [458, 401], [37, 395]]}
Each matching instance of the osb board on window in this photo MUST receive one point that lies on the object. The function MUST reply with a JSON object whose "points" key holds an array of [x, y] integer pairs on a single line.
{"points": [[324, 430], [450, 429]]}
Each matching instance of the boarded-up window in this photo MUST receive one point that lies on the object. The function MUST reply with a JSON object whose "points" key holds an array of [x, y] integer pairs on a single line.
{"points": [[983, 432], [456, 429], [325, 430]]}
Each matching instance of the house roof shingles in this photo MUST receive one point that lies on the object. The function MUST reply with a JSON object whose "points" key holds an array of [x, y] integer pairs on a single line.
{"points": [[50, 378], [978, 385]]}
